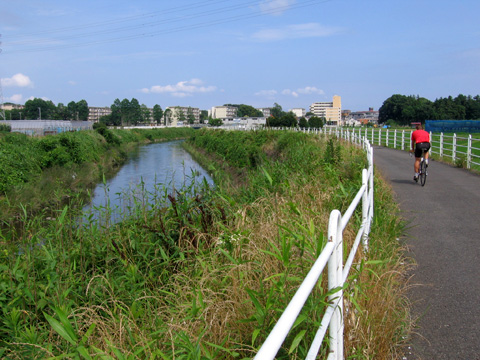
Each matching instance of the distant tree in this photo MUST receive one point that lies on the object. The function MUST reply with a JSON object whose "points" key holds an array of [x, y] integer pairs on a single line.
{"points": [[190, 116], [203, 116], [146, 114], [180, 115], [246, 110], [61, 112], [302, 122], [82, 110], [157, 113], [116, 116], [277, 111], [316, 122], [309, 114], [33, 108], [167, 116], [134, 112], [215, 122]]}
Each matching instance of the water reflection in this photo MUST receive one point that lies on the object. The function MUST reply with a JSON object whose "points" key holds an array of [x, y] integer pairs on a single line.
{"points": [[153, 170]]}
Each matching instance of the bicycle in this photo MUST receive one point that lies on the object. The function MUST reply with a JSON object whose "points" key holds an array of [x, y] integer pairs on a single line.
{"points": [[422, 173]]}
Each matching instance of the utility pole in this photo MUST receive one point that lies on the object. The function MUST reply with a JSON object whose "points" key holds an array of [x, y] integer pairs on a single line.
{"points": [[40, 113]]}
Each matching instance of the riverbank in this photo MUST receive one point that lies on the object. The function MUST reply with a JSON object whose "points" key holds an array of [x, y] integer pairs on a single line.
{"points": [[210, 273], [46, 173]]}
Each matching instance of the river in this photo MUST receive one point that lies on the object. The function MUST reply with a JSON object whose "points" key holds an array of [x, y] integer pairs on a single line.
{"points": [[148, 172]]}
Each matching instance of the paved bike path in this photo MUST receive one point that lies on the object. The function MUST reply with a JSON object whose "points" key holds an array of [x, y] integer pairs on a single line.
{"points": [[444, 239]]}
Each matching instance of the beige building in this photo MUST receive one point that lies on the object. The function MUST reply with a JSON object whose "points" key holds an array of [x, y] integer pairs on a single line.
{"points": [[95, 113], [331, 111], [223, 112], [179, 115]]}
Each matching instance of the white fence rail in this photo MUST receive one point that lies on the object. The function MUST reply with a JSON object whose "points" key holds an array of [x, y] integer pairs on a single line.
{"points": [[331, 255], [462, 151]]}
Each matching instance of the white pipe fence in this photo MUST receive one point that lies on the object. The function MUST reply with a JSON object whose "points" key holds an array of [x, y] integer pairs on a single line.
{"points": [[331, 255], [463, 151]]}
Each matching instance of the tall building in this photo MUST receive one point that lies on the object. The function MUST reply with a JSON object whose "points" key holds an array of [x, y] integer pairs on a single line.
{"points": [[265, 111], [331, 111], [223, 112]]}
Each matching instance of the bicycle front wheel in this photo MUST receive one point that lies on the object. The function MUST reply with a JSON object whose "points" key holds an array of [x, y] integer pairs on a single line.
{"points": [[423, 173]]}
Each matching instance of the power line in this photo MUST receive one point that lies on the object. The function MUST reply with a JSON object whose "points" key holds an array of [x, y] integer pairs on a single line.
{"points": [[202, 24]]}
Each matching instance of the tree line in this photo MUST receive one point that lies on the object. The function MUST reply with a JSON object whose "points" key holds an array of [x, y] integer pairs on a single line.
{"points": [[402, 109], [37, 108]]}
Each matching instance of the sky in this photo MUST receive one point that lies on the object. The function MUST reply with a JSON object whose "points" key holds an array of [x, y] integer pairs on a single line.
{"points": [[205, 53]]}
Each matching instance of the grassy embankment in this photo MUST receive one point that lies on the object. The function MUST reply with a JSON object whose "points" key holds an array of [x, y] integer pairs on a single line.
{"points": [[46, 172], [207, 276]]}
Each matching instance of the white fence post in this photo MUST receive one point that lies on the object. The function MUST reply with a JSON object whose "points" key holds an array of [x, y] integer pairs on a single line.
{"points": [[380, 137], [386, 141], [395, 139], [335, 272], [469, 152], [454, 148], [403, 139], [441, 144]]}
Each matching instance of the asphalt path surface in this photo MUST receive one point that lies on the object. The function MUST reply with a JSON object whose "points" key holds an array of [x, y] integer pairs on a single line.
{"points": [[443, 238]]}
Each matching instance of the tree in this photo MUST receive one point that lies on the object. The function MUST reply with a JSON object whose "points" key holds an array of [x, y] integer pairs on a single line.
{"points": [[157, 114], [190, 116], [277, 111], [146, 114], [116, 116], [215, 122], [316, 122], [246, 110], [203, 116], [39, 109], [167, 116], [135, 112], [82, 110], [180, 114], [302, 122]]}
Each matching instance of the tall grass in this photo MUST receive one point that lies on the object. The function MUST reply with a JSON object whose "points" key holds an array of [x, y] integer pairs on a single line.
{"points": [[206, 276]]}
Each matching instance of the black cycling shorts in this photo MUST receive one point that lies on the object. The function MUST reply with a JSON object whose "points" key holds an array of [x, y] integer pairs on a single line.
{"points": [[420, 147]]}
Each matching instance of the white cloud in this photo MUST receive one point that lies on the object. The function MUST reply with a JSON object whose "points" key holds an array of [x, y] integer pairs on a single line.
{"points": [[267, 93], [296, 32], [73, 83], [16, 99], [17, 80], [275, 7], [290, 92], [307, 90], [180, 89], [311, 90]]}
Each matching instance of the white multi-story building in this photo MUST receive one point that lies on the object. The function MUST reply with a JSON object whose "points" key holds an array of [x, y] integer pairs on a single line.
{"points": [[331, 111], [179, 115], [95, 113], [298, 112], [265, 111]]}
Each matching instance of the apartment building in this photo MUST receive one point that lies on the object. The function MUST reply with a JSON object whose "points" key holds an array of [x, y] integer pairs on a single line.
{"points": [[223, 112], [298, 112], [95, 113], [179, 115], [331, 111], [265, 111]]}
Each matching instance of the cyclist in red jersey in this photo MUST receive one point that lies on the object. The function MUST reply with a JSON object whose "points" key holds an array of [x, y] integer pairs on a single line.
{"points": [[420, 141]]}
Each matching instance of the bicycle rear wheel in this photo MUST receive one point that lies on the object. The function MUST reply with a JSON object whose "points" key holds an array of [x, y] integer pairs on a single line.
{"points": [[423, 173]]}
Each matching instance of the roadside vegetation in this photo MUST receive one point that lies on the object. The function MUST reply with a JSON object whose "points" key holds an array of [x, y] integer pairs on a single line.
{"points": [[202, 272]]}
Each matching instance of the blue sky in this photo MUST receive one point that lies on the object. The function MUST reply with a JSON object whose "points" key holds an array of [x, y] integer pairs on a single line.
{"points": [[204, 53]]}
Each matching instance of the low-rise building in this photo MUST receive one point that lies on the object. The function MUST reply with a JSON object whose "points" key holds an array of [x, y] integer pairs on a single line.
{"points": [[298, 112], [223, 112], [265, 111], [180, 115]]}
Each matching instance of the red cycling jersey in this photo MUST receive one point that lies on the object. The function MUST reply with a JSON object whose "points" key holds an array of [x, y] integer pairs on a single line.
{"points": [[419, 136]]}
